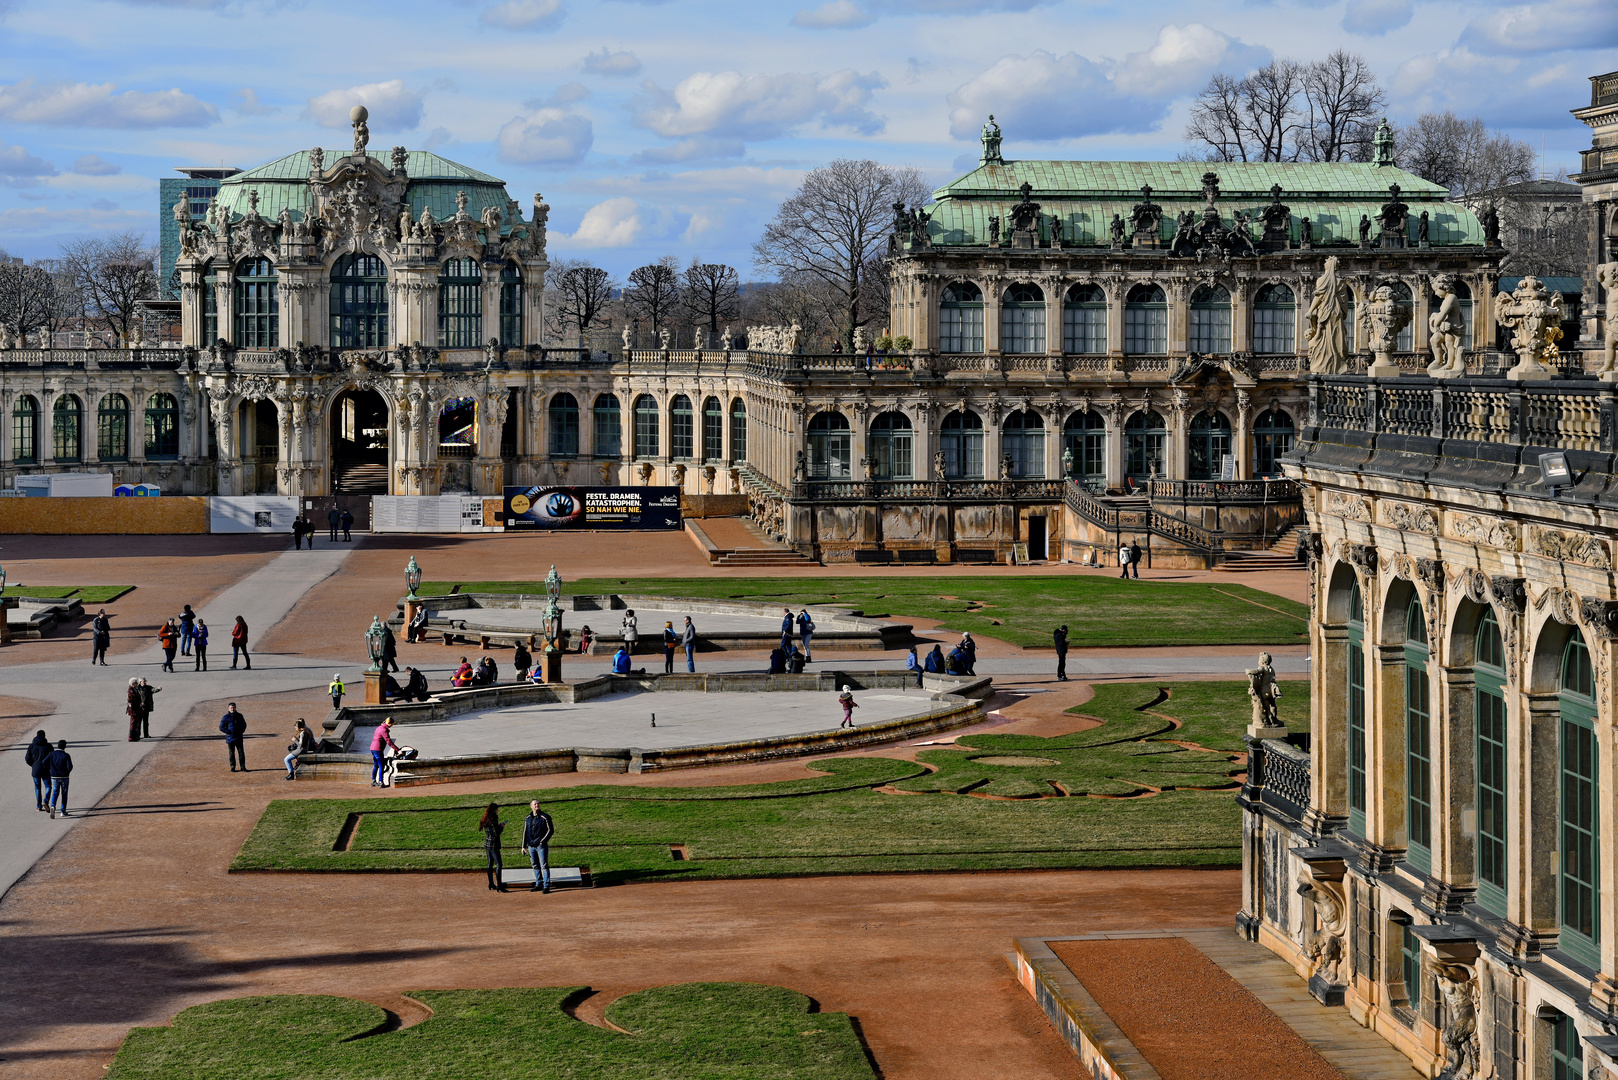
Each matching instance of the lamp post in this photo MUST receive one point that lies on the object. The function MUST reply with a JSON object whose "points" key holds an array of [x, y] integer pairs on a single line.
{"points": [[5, 603], [373, 674], [553, 626], [412, 602], [412, 578]]}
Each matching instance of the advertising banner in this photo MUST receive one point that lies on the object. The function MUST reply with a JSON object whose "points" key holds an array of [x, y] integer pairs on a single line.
{"points": [[542, 507]]}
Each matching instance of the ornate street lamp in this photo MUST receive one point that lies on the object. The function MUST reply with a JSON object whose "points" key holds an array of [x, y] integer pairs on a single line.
{"points": [[412, 577], [553, 611], [373, 643], [2, 581]]}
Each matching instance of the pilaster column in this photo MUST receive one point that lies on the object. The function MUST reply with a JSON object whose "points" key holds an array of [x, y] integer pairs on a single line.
{"points": [[1116, 416], [1115, 319], [1241, 330], [1055, 289], [1178, 295], [1242, 437], [491, 303], [1418, 323], [533, 301], [1532, 808], [227, 310], [993, 288]]}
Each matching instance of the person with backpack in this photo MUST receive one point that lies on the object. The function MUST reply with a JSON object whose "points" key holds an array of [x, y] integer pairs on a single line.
{"points": [[168, 636], [60, 766], [935, 660], [492, 827], [1123, 559], [39, 765], [537, 830], [234, 727], [806, 634], [238, 644]]}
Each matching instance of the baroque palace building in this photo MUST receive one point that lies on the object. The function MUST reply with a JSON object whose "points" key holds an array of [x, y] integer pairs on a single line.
{"points": [[1099, 351], [1435, 853]]}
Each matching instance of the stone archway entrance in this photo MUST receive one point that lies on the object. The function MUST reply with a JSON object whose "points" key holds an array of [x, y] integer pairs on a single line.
{"points": [[359, 444]]}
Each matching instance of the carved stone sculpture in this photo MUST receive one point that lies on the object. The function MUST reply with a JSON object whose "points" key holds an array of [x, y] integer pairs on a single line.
{"points": [[362, 131], [663, 339], [1534, 315], [627, 339], [1328, 341], [1422, 227], [1458, 988], [1117, 230], [1384, 317], [1444, 327], [1266, 695], [1306, 233], [1326, 951], [938, 465], [1607, 275], [725, 340]]}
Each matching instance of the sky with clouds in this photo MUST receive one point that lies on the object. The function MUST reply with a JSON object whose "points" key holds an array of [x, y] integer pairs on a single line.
{"points": [[676, 126]]}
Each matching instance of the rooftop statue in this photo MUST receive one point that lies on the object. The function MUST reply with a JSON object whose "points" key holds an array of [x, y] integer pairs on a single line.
{"points": [[362, 132], [1327, 336], [991, 144], [1445, 327], [1607, 275], [1534, 315], [1383, 141]]}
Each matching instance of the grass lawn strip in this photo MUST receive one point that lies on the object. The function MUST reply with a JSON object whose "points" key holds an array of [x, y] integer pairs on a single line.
{"points": [[88, 594], [1099, 611], [693, 1031]]}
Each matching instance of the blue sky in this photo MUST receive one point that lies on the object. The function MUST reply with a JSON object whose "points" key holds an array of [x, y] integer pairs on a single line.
{"points": [[675, 126]]}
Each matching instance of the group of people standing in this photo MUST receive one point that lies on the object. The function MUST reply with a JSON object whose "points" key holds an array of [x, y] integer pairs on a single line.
{"points": [[337, 519], [187, 632], [139, 708]]}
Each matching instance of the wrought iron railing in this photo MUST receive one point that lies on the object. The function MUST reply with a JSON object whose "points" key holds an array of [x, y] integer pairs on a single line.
{"points": [[1280, 771]]}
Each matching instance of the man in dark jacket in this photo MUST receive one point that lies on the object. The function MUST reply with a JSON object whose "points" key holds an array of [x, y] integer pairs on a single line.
{"points": [[188, 629], [786, 628], [1060, 634], [348, 524], [234, 725], [146, 692], [1134, 558], [537, 830], [38, 761], [390, 649], [334, 520], [59, 764], [100, 637], [969, 651], [416, 686]]}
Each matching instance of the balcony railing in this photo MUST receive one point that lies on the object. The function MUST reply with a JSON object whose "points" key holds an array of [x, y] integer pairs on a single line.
{"points": [[928, 490], [1138, 519], [1279, 772], [1223, 492]]}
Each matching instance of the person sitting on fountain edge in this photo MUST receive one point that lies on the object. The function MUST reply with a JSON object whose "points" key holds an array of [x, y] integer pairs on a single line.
{"points": [[778, 661], [463, 674], [416, 686], [620, 661]]}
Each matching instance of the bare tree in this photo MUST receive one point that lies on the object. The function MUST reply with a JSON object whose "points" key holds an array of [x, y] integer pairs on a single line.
{"points": [[581, 292], [112, 273], [830, 228], [1545, 227], [1343, 102], [1216, 122], [1287, 111], [1463, 155], [710, 294], [27, 297], [653, 292]]}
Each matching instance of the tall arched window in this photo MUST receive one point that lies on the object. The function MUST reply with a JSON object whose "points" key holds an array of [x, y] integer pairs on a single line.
{"points": [[258, 305], [1023, 438], [1144, 441], [961, 439], [1208, 445], [713, 430], [830, 446], [646, 427], [511, 306], [563, 420], [25, 431], [1580, 864], [1210, 320], [960, 318], [1418, 740], [460, 304], [607, 420], [359, 303], [1274, 317], [738, 431], [1489, 706], [1356, 711], [1022, 319], [162, 427], [681, 436], [1146, 321], [1084, 321], [890, 447], [1084, 437], [1401, 295], [112, 428], [67, 429], [1272, 437]]}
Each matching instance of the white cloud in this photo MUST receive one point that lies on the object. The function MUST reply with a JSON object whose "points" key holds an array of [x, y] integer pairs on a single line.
{"points": [[19, 168], [1569, 24], [526, 14], [696, 149], [1050, 97], [546, 136], [730, 105], [568, 93], [1181, 60], [834, 15], [1375, 17], [391, 106], [614, 223], [98, 105], [607, 62], [96, 165], [247, 103]]}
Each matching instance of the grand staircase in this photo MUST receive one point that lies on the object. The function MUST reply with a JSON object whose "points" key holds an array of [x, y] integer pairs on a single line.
{"points": [[359, 478], [1281, 555], [738, 542]]}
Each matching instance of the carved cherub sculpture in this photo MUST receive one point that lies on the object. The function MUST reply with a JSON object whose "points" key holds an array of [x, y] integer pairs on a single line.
{"points": [[1444, 327], [1607, 275], [1265, 692]]}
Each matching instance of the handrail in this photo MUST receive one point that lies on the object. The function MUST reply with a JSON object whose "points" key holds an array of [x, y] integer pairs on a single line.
{"points": [[1211, 544]]}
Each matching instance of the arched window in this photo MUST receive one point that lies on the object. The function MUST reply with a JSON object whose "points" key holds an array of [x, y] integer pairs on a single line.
{"points": [[713, 430], [1084, 448], [258, 305], [1418, 740], [1144, 440], [1084, 321], [1356, 711], [1023, 438], [1146, 321], [563, 420], [1210, 320], [1272, 437], [646, 445], [738, 431], [1401, 295], [67, 429], [460, 304], [1489, 706], [511, 306], [1208, 446], [210, 306], [162, 427], [681, 436], [1580, 866], [1022, 319], [607, 421], [1274, 318], [830, 446], [359, 303], [960, 318], [25, 431], [112, 428], [890, 449], [961, 439]]}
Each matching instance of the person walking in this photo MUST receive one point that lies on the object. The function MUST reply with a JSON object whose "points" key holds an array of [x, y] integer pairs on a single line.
{"points": [[234, 726], [846, 700], [336, 690], [492, 827], [1060, 636], [169, 638], [631, 631], [146, 692], [348, 525], [806, 634], [60, 767], [188, 630], [334, 520], [39, 765], [297, 533], [521, 661], [913, 665], [132, 705], [199, 647], [100, 637], [670, 639], [537, 830], [1134, 557], [786, 628], [1123, 559], [390, 649], [383, 736], [688, 638], [238, 644], [303, 742], [969, 649]]}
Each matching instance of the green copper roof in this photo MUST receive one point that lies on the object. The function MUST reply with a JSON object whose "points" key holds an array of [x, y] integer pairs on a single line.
{"points": [[434, 182], [1298, 180], [420, 164]]}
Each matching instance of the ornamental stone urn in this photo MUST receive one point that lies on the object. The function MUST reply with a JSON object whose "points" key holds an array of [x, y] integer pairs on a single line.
{"points": [[1534, 315]]}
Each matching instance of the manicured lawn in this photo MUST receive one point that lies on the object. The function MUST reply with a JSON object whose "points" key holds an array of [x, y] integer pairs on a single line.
{"points": [[89, 594], [1161, 804], [694, 1031], [1098, 611]]}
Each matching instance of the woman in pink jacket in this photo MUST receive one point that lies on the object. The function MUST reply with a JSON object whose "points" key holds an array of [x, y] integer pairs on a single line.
{"points": [[383, 737]]}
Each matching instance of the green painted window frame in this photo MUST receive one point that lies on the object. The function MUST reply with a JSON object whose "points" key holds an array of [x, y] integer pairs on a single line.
{"points": [[1489, 712], [162, 427], [563, 420], [960, 318], [1022, 320], [1085, 436], [1567, 1050], [607, 419], [210, 307], [646, 420], [713, 430], [1084, 321], [1410, 965], [1273, 434], [258, 305], [1578, 809], [1145, 446], [1207, 445], [359, 303], [67, 430], [112, 428], [1210, 321], [1022, 436], [682, 437], [1146, 321], [1356, 711], [738, 431], [1275, 320], [960, 437], [1418, 741], [511, 286], [460, 304], [890, 445]]}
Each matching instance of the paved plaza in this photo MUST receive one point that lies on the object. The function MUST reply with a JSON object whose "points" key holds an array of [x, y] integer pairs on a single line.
{"points": [[609, 624]]}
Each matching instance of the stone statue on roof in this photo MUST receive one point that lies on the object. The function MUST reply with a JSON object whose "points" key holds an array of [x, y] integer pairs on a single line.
{"points": [[362, 131], [1383, 141], [1445, 326], [1146, 215], [991, 144], [1392, 216], [400, 157], [1326, 331], [1607, 277]]}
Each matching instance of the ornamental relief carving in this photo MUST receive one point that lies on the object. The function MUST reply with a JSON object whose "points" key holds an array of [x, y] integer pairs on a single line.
{"points": [[1480, 530], [1569, 547], [1417, 519], [1564, 607], [1349, 506]]}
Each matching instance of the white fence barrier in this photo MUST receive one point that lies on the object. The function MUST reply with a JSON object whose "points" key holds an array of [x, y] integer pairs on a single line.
{"points": [[252, 513], [435, 513]]}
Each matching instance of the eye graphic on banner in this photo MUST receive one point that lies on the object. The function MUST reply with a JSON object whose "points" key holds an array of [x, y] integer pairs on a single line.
{"points": [[540, 507]]}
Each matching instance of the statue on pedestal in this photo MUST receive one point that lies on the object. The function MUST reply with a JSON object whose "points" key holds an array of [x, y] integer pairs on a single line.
{"points": [[1534, 315], [1444, 327], [1326, 333], [1266, 695], [1607, 275], [362, 131]]}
